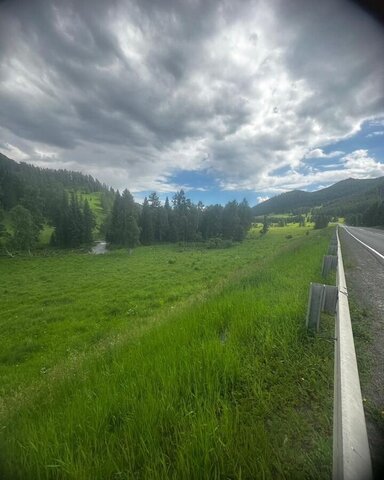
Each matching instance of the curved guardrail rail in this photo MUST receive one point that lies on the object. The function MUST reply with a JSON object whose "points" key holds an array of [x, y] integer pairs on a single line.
{"points": [[351, 456]]}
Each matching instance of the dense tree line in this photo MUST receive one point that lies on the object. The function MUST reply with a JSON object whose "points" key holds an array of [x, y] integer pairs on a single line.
{"points": [[372, 216], [178, 221], [74, 222], [25, 231], [32, 197], [320, 220], [123, 229], [282, 221], [41, 190], [21, 183]]}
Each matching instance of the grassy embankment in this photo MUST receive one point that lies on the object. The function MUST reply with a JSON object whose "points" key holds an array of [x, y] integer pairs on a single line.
{"points": [[170, 363]]}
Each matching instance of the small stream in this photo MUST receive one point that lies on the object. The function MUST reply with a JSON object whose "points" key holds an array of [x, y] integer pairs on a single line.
{"points": [[99, 248]]}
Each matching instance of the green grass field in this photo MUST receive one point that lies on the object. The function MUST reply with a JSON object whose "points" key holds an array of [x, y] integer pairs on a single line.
{"points": [[174, 362]]}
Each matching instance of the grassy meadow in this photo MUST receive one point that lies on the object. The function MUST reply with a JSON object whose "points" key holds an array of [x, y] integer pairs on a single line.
{"points": [[173, 362]]}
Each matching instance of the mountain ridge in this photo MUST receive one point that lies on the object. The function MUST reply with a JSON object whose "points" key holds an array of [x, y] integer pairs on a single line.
{"points": [[346, 196]]}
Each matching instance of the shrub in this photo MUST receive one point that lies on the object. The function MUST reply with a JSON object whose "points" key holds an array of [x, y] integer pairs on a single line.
{"points": [[218, 242]]}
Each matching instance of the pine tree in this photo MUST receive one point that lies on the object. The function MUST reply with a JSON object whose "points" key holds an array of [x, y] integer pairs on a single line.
{"points": [[88, 223], [211, 224], [25, 231], [60, 236], [179, 217], [146, 224], [265, 228], [320, 220], [163, 232], [167, 232], [155, 206], [112, 232], [245, 215], [185, 218], [232, 228], [123, 229], [75, 222]]}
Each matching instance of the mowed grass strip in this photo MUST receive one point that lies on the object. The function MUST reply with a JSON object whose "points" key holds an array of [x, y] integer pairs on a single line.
{"points": [[229, 386]]}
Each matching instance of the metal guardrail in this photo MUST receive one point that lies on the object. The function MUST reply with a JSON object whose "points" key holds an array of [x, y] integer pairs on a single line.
{"points": [[351, 456]]}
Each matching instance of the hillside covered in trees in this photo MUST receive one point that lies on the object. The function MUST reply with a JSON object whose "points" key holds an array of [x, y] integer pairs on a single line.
{"points": [[32, 198], [361, 202]]}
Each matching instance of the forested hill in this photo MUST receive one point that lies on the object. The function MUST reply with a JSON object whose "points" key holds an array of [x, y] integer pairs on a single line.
{"points": [[18, 180], [34, 199], [350, 196]]}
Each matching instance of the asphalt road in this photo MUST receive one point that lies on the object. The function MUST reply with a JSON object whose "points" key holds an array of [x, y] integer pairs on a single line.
{"points": [[371, 237]]}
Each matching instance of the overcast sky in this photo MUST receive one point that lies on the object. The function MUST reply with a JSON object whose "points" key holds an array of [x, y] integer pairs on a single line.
{"points": [[225, 99]]}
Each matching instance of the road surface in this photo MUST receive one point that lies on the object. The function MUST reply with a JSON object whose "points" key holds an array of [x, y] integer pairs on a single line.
{"points": [[363, 256], [372, 238]]}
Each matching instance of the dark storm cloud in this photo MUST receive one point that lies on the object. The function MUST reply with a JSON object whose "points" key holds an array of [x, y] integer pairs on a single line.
{"points": [[237, 87], [341, 54], [74, 47]]}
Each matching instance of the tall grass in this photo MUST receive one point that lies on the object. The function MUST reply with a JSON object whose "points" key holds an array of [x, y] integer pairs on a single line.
{"points": [[59, 305], [225, 386]]}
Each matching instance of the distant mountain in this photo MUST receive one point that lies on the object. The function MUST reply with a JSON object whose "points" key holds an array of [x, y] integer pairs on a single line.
{"points": [[342, 198]]}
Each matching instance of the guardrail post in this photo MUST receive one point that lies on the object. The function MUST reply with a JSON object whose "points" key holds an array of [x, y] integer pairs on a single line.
{"points": [[322, 298], [315, 302], [330, 299], [329, 264]]}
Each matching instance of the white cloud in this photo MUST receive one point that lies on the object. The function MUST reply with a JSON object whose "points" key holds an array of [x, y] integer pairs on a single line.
{"points": [[13, 152], [318, 153], [375, 134], [360, 165], [262, 199], [43, 154]]}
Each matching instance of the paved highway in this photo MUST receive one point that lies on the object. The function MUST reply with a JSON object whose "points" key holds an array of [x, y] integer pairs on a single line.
{"points": [[372, 238]]}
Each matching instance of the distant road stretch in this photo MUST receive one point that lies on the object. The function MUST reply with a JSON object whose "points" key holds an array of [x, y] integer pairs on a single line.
{"points": [[372, 239]]}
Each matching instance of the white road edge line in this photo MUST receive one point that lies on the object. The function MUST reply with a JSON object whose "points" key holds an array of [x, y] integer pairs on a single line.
{"points": [[365, 245]]}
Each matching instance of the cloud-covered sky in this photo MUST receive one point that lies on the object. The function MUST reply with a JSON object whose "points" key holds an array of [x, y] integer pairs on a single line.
{"points": [[222, 98]]}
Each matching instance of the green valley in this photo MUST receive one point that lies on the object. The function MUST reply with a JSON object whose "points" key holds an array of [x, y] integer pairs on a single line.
{"points": [[177, 361]]}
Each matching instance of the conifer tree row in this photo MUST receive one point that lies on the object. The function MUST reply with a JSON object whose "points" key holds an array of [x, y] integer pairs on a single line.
{"points": [[123, 229], [73, 221], [181, 221], [371, 217]]}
